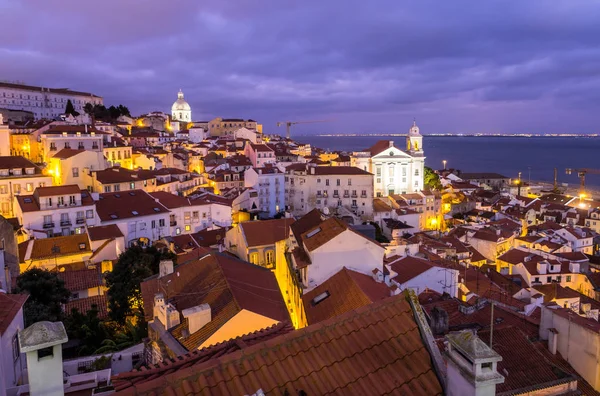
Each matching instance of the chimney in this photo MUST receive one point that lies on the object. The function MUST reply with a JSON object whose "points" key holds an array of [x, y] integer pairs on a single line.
{"points": [[552, 340], [85, 126], [439, 321], [472, 366], [42, 344], [165, 268], [377, 275], [312, 170], [391, 143], [197, 317]]}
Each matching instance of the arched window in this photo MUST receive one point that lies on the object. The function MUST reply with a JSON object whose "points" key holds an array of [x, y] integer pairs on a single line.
{"points": [[254, 258], [270, 257]]}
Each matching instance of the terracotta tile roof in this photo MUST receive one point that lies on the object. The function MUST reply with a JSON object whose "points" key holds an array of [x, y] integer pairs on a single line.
{"points": [[85, 304], [554, 291], [10, 304], [373, 350], [58, 246], [18, 162], [409, 267], [83, 129], [379, 147], [305, 223], [57, 190], [340, 170], [125, 380], [261, 147], [380, 206], [172, 201], [266, 232], [100, 233], [208, 238], [226, 283], [346, 290], [323, 233], [67, 153], [122, 205], [475, 255], [121, 175], [526, 368], [81, 279]]}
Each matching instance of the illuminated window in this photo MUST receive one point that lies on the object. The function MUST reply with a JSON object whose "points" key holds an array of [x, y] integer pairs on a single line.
{"points": [[270, 257], [254, 258]]}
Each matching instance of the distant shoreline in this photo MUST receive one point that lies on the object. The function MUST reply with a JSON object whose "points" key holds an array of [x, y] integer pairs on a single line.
{"points": [[457, 135]]}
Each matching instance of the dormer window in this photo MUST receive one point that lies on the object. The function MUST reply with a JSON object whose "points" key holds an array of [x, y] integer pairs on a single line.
{"points": [[3, 172], [30, 171], [17, 171]]}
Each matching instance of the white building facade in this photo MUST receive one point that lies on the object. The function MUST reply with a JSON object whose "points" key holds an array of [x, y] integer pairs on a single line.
{"points": [[44, 102], [181, 110], [269, 182], [395, 171]]}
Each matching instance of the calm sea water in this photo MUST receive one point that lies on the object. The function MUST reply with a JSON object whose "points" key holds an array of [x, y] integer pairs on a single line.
{"points": [[533, 156]]}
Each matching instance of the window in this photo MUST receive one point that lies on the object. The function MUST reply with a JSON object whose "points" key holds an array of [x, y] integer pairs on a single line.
{"points": [[549, 279], [106, 189], [67, 145], [196, 216], [117, 187], [349, 182], [45, 352], [416, 172], [75, 172], [161, 222], [3, 189], [132, 186], [391, 171], [89, 214], [186, 217], [254, 258], [142, 225], [61, 200], [270, 257], [17, 188], [337, 182], [47, 219], [318, 180], [153, 224], [188, 227], [71, 199], [15, 348], [326, 182], [29, 187], [79, 214], [568, 278]]}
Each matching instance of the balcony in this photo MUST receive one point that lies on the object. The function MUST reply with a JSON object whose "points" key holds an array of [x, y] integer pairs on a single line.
{"points": [[173, 223], [52, 148], [80, 221], [346, 195], [363, 195], [354, 195], [65, 223], [48, 225]]}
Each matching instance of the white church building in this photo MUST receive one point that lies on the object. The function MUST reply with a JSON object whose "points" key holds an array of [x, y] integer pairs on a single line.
{"points": [[395, 171], [181, 110]]}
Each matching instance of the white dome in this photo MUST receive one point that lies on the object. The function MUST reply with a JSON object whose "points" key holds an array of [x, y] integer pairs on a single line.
{"points": [[180, 103]]}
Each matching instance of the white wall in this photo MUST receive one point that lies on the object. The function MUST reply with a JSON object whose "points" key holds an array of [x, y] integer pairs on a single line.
{"points": [[9, 369], [347, 249], [442, 280], [244, 322]]}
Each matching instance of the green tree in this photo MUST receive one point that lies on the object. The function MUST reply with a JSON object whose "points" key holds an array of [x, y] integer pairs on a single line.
{"points": [[123, 110], [114, 112], [89, 329], [124, 291], [70, 109], [47, 293], [431, 179]]}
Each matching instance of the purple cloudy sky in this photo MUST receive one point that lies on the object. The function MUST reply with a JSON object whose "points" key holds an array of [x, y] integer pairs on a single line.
{"points": [[371, 66]]}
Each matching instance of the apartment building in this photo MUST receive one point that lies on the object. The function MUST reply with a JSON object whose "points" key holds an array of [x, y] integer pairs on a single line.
{"points": [[227, 126], [77, 137], [18, 176], [259, 154], [269, 182], [118, 179], [54, 211], [43, 102], [342, 189]]}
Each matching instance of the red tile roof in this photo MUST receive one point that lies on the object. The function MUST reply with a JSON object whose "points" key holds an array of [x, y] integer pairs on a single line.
{"points": [[127, 379], [241, 286], [81, 279], [208, 238], [58, 246], [346, 290], [100, 233], [266, 232], [318, 236], [373, 350], [525, 369], [122, 205], [409, 267], [10, 304], [84, 305], [57, 190], [67, 153], [379, 147]]}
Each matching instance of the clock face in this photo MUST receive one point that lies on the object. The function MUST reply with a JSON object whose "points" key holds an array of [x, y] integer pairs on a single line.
{"points": [[391, 153]]}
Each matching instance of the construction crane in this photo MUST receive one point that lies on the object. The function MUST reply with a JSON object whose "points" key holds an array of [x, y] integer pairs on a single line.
{"points": [[581, 172], [288, 125]]}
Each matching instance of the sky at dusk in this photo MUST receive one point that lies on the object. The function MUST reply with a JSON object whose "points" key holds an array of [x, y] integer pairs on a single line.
{"points": [[369, 66]]}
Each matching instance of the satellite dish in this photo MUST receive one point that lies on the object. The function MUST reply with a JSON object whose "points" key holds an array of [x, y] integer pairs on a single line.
{"points": [[326, 210]]}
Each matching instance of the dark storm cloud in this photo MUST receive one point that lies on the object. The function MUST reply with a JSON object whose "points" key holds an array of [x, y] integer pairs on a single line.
{"points": [[457, 66]]}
